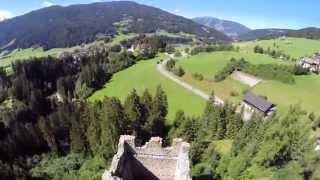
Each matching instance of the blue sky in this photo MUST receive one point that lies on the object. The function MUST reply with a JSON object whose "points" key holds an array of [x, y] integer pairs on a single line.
{"points": [[253, 13]]}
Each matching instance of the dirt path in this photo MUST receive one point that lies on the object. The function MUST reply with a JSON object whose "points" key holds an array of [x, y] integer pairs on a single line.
{"points": [[161, 68], [246, 78]]}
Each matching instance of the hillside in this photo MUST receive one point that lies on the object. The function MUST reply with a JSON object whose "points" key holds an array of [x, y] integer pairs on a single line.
{"points": [[263, 34], [309, 33], [294, 47], [145, 76], [58, 26], [230, 28]]}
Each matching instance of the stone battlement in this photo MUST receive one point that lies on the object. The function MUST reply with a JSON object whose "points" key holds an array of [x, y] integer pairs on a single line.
{"points": [[151, 161]]}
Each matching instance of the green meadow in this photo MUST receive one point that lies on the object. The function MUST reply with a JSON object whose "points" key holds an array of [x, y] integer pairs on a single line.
{"points": [[304, 92], [24, 54], [295, 47], [209, 64], [144, 75]]}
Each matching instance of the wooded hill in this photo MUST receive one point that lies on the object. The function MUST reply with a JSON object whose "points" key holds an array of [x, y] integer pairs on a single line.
{"points": [[309, 33], [59, 26]]}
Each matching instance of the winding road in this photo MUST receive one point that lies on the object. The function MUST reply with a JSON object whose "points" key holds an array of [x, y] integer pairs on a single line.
{"points": [[161, 68]]}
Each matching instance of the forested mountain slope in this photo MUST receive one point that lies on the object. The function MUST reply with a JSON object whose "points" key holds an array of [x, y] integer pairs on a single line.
{"points": [[59, 26]]}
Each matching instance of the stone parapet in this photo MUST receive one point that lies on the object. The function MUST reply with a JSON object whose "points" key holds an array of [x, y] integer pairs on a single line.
{"points": [[151, 161]]}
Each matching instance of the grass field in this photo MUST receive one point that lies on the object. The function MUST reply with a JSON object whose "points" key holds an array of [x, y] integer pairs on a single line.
{"points": [[144, 75], [295, 47], [304, 92], [209, 64], [121, 37], [24, 54]]}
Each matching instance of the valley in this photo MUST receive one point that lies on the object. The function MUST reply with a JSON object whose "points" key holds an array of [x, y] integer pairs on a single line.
{"points": [[143, 90]]}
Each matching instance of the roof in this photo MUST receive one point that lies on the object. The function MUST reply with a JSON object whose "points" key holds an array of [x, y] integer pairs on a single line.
{"points": [[258, 102]]}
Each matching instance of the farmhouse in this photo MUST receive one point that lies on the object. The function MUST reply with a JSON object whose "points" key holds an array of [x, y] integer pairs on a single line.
{"points": [[311, 63], [151, 161], [318, 145], [255, 103]]}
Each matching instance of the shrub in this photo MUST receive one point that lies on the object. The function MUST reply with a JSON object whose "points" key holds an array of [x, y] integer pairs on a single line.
{"points": [[115, 48], [170, 49], [179, 71], [170, 65], [283, 73], [234, 93], [197, 76], [298, 70], [177, 54]]}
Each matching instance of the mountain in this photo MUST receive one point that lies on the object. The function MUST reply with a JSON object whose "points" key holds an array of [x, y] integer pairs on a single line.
{"points": [[2, 18], [263, 34], [310, 33], [58, 26], [230, 28]]}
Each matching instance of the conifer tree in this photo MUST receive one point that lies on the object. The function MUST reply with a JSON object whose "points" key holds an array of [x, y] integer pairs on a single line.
{"points": [[134, 111], [77, 138], [113, 124], [48, 134], [155, 124], [160, 103], [146, 100]]}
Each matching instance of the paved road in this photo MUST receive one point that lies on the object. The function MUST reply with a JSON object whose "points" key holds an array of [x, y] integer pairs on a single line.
{"points": [[161, 68]]}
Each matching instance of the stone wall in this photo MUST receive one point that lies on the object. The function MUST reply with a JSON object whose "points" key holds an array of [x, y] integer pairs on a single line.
{"points": [[151, 161]]}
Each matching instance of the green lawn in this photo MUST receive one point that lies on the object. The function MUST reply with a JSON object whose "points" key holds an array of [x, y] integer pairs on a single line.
{"points": [[121, 37], [305, 92], [209, 64], [295, 47], [24, 54], [144, 75]]}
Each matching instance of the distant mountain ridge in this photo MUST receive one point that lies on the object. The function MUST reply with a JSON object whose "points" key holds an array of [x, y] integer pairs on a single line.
{"points": [[263, 34], [230, 28], [310, 33], [58, 26]]}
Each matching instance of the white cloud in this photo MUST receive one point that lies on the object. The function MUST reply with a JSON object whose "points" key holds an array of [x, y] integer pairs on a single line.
{"points": [[4, 14], [47, 3], [177, 11]]}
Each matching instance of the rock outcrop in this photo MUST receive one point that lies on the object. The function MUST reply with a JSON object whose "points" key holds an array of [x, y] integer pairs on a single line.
{"points": [[151, 161]]}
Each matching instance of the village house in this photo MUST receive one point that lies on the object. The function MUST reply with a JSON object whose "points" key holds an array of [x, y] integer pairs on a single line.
{"points": [[253, 103], [311, 63], [318, 145]]}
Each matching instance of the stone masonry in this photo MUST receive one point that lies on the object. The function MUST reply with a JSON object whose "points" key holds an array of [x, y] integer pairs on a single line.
{"points": [[149, 162]]}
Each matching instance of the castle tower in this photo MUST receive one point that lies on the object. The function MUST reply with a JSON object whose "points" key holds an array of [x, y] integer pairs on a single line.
{"points": [[151, 161]]}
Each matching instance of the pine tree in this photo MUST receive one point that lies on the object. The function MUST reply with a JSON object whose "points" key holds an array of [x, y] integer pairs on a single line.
{"points": [[113, 124], [77, 138], [93, 131], [155, 124], [221, 123], [134, 112], [48, 134], [146, 100]]}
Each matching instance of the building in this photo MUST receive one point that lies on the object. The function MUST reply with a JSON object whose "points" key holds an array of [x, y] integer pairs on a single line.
{"points": [[151, 161], [253, 103], [318, 145], [311, 63]]}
